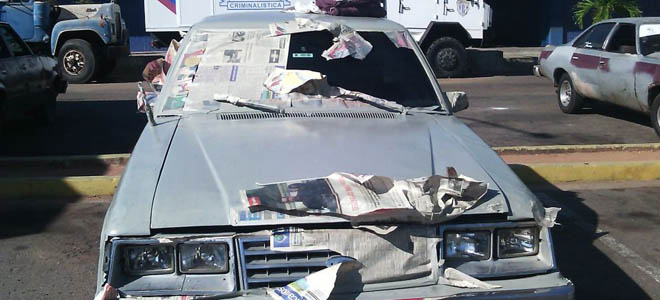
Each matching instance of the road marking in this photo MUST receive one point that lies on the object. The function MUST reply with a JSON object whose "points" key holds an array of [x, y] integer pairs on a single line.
{"points": [[609, 241], [499, 108]]}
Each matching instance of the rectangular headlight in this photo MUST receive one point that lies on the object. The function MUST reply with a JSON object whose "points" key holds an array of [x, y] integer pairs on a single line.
{"points": [[467, 245], [515, 242], [148, 259], [209, 258]]}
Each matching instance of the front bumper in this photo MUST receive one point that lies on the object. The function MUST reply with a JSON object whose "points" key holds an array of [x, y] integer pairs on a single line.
{"points": [[551, 286]]}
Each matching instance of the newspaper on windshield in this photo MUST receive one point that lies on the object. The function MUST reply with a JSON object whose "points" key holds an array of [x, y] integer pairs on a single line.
{"points": [[369, 198], [233, 62], [347, 41]]}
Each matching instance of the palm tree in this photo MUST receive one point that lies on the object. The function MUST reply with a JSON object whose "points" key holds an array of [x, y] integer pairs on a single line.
{"points": [[604, 9]]}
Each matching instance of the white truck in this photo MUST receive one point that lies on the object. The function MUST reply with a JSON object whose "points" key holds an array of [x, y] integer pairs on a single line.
{"points": [[443, 28]]}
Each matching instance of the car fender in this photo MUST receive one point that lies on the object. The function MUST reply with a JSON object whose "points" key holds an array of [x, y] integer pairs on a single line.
{"points": [[81, 26]]}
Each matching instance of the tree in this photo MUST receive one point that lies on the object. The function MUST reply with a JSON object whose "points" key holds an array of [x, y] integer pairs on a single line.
{"points": [[604, 9]]}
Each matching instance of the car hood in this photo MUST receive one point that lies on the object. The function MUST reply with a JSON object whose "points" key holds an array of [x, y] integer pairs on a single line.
{"points": [[210, 160]]}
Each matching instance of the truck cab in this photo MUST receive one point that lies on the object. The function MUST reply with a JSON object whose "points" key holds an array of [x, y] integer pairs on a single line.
{"points": [[86, 39]]}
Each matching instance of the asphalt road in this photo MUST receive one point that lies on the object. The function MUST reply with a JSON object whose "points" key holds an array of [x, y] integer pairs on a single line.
{"points": [[504, 111], [605, 244]]}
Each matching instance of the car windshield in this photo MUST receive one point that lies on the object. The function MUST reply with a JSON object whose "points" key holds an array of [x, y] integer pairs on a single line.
{"points": [[245, 65], [649, 38]]}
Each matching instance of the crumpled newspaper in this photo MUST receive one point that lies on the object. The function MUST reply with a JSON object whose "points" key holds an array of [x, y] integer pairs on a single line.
{"points": [[316, 286], [347, 41], [283, 81], [368, 198], [400, 39], [453, 277], [349, 44]]}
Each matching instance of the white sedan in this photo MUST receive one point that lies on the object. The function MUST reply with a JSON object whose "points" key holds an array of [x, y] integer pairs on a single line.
{"points": [[616, 61]]}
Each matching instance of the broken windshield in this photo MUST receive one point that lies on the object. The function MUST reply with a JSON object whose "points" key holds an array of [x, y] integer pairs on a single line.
{"points": [[239, 64]]}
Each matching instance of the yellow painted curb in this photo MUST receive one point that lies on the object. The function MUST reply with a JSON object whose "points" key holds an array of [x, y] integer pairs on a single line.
{"points": [[576, 148], [586, 172], [28, 187]]}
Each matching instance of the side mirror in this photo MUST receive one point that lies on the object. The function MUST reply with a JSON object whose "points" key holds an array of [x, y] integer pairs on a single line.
{"points": [[458, 100]]}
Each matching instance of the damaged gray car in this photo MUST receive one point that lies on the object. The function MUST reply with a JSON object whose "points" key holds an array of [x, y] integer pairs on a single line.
{"points": [[304, 156]]}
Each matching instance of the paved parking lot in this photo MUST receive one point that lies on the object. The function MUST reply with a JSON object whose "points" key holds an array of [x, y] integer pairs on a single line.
{"points": [[605, 244], [504, 111]]}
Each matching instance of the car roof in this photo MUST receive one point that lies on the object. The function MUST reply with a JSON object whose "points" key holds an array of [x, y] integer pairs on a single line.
{"points": [[261, 20], [634, 20]]}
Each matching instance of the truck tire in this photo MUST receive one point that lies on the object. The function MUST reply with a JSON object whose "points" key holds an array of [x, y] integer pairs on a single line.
{"points": [[568, 98], [77, 61], [655, 114], [447, 57]]}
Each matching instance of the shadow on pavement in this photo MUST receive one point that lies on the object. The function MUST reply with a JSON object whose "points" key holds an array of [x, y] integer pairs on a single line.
{"points": [[19, 217], [539, 135], [128, 69], [82, 127], [616, 112], [594, 274], [491, 62]]}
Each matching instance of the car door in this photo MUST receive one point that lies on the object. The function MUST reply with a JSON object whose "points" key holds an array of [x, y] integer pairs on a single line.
{"points": [[586, 59], [616, 67], [8, 69], [19, 76]]}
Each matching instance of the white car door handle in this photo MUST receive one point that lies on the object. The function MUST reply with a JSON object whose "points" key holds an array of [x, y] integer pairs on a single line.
{"points": [[575, 58], [602, 62]]}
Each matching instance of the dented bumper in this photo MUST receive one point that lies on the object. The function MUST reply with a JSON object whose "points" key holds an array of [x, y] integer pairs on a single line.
{"points": [[552, 286]]}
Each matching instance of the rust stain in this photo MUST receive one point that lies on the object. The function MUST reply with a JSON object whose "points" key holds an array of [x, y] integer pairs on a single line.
{"points": [[585, 61]]}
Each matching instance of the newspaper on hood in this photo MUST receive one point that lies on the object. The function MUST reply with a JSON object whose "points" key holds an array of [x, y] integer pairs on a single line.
{"points": [[368, 198], [316, 286]]}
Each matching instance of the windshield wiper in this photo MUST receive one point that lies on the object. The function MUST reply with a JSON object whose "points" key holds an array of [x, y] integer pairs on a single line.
{"points": [[242, 102], [436, 109], [375, 101]]}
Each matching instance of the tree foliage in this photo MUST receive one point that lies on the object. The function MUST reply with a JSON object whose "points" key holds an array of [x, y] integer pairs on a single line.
{"points": [[604, 9]]}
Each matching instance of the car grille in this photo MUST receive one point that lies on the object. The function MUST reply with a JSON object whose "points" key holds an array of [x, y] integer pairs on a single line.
{"points": [[349, 115], [262, 267]]}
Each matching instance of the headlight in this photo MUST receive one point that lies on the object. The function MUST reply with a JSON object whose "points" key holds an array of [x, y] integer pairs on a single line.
{"points": [[203, 258], [148, 259], [517, 242], [467, 245]]}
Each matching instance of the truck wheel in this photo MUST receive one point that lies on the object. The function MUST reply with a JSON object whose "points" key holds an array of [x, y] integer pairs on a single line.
{"points": [[655, 114], [77, 61], [569, 100], [447, 57]]}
